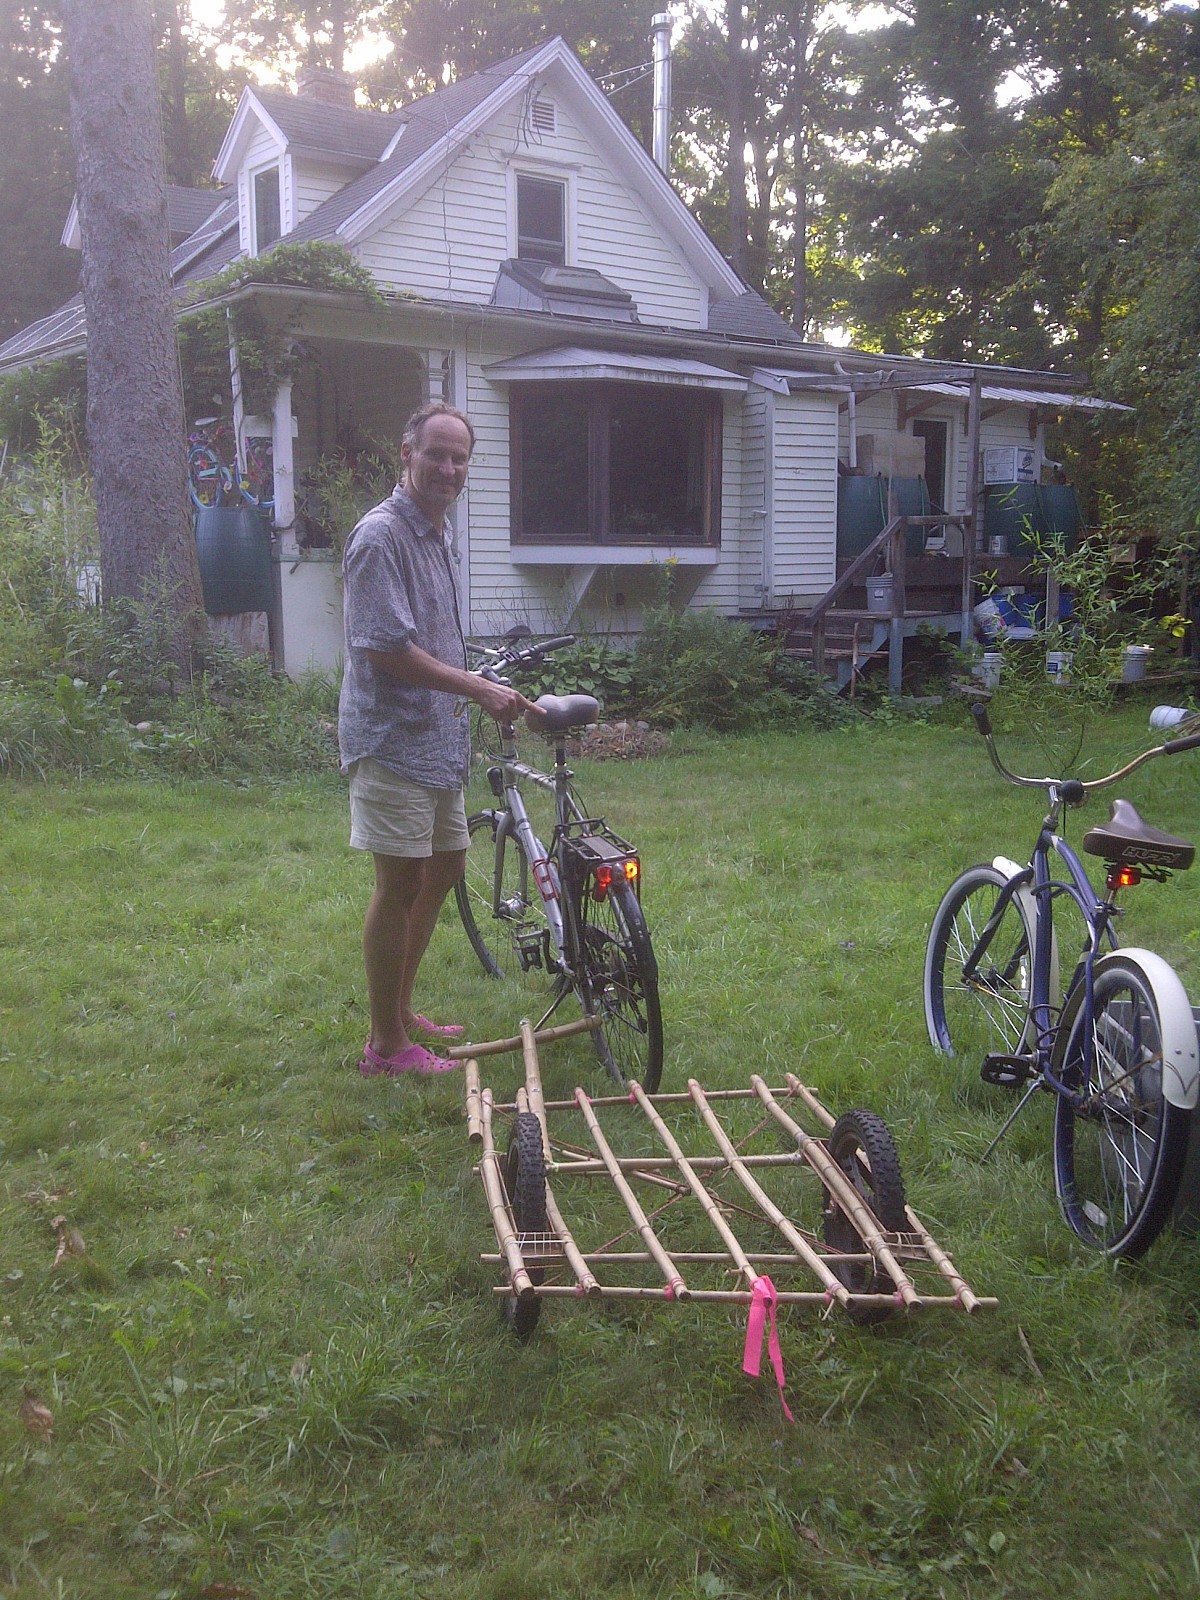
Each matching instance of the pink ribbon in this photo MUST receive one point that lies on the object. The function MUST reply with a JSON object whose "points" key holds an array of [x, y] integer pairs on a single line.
{"points": [[762, 1316]]}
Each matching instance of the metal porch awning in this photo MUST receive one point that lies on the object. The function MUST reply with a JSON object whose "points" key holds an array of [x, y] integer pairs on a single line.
{"points": [[574, 364]]}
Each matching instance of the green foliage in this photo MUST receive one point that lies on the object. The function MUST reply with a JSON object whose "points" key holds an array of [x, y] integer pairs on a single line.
{"points": [[592, 665], [53, 395], [698, 667], [269, 351]]}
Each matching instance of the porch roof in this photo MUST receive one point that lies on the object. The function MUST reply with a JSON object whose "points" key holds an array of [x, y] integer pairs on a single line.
{"points": [[1051, 399], [567, 363]]}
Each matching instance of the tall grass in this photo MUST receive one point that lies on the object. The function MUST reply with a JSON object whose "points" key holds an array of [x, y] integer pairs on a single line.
{"points": [[276, 1368]]}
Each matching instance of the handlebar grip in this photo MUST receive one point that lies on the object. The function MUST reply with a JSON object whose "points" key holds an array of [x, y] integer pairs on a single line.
{"points": [[560, 643], [1173, 748], [982, 721]]}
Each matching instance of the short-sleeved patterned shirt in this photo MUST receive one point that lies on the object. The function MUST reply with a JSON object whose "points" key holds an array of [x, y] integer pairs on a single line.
{"points": [[399, 591]]}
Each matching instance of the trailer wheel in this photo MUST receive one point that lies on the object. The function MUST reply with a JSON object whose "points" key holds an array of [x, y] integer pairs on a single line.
{"points": [[863, 1148], [524, 1174]]}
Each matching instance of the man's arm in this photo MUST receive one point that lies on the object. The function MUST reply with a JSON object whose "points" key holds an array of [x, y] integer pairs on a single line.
{"points": [[414, 665]]}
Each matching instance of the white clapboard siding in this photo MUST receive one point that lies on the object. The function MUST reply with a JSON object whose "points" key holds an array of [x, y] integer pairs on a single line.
{"points": [[451, 241], [754, 510], [312, 185], [804, 502], [260, 150]]}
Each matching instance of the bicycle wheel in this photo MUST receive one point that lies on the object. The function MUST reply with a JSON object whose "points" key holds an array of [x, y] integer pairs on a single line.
{"points": [[208, 477], [988, 1013], [509, 935], [618, 981], [258, 485], [1119, 1157], [525, 1184], [862, 1145]]}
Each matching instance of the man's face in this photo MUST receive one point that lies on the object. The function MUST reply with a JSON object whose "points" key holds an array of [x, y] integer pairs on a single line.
{"points": [[437, 465]]}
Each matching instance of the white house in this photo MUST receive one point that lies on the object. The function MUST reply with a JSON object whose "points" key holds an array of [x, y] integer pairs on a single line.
{"points": [[634, 402]]}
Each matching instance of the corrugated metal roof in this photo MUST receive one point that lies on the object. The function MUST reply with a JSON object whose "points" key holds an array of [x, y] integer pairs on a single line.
{"points": [[1055, 399], [565, 363]]}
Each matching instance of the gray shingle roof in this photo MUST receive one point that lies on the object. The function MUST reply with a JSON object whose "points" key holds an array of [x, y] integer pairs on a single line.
{"points": [[188, 208], [750, 317], [335, 131]]}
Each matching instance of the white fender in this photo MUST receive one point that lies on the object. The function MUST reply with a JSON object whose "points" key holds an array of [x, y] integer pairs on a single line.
{"points": [[1028, 900], [1181, 1050]]}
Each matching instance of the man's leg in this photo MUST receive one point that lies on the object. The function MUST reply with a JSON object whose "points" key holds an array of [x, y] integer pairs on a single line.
{"points": [[400, 920]]}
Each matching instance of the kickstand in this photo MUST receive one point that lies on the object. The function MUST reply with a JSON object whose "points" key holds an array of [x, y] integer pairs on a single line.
{"points": [[1034, 1086], [563, 989]]}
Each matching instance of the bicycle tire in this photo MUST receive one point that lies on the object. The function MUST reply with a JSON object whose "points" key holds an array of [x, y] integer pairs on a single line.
{"points": [[855, 1135], [617, 980], [209, 479], [258, 484], [992, 1015], [1118, 1162], [516, 937], [524, 1173]]}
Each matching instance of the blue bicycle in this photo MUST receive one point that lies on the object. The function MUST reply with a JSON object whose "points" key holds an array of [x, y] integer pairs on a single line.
{"points": [[1116, 1045]]}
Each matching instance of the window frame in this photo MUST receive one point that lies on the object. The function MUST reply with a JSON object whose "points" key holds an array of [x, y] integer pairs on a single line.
{"points": [[601, 395], [252, 177], [541, 173]]}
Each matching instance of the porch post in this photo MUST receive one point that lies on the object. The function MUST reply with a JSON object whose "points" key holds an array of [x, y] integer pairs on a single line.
{"points": [[973, 507], [284, 515]]}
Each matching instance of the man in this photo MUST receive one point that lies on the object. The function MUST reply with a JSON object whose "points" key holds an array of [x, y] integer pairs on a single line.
{"points": [[403, 728]]}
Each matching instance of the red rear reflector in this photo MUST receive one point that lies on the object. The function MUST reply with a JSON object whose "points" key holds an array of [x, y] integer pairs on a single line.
{"points": [[604, 880], [1124, 877]]}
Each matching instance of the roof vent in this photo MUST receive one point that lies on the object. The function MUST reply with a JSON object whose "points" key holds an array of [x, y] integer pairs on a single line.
{"points": [[542, 117], [326, 86], [567, 291]]}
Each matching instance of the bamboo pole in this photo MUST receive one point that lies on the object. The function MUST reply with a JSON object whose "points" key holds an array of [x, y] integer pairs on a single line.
{"points": [[601, 1100], [760, 1258], [520, 1283], [634, 1164], [675, 1283], [500, 1047], [837, 1289], [963, 1292], [844, 1192], [708, 1204], [810, 1100], [742, 1297], [585, 1278], [474, 1112], [533, 1082]]}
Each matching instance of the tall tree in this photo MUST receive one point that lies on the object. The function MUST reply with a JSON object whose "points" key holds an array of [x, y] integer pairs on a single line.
{"points": [[135, 418]]}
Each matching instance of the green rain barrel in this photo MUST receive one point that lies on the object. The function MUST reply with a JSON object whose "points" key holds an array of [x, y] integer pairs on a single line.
{"points": [[1061, 512], [234, 549], [1014, 510], [861, 513], [911, 499]]}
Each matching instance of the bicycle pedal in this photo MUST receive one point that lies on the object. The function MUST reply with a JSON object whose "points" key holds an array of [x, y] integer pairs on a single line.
{"points": [[1007, 1072]]}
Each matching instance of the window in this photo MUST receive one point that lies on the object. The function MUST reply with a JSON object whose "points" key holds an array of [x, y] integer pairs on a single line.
{"points": [[267, 223], [541, 220], [615, 463]]}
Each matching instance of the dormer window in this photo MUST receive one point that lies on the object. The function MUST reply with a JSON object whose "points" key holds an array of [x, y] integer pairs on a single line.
{"points": [[267, 212], [541, 220]]}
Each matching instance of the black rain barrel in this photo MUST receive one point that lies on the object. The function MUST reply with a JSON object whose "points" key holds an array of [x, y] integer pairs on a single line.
{"points": [[234, 549], [861, 515], [1014, 510]]}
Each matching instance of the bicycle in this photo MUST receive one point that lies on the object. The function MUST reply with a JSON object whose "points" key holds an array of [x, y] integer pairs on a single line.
{"points": [[1118, 1049], [572, 910], [257, 482], [211, 462]]}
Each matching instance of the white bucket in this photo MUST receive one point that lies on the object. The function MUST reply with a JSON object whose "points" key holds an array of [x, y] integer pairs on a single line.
{"points": [[1168, 716], [987, 669], [879, 594], [1058, 665], [1134, 661], [988, 621]]}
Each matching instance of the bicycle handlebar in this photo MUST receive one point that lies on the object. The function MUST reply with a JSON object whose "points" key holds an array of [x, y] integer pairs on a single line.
{"points": [[1074, 790], [513, 654]]}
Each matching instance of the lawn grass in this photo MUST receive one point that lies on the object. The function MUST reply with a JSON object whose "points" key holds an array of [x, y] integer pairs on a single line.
{"points": [[276, 1368]]}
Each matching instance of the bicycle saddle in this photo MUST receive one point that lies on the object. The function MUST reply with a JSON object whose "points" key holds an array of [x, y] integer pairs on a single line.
{"points": [[563, 711], [1126, 841]]}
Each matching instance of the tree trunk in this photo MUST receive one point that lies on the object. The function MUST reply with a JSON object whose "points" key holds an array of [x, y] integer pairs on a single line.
{"points": [[802, 28], [135, 418], [178, 134], [739, 213]]}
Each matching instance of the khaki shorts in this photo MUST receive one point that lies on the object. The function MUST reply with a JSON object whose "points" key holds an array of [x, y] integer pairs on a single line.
{"points": [[392, 817]]}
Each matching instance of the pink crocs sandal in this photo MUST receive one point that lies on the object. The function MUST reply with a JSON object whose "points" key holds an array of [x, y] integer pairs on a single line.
{"points": [[438, 1030], [415, 1059]]}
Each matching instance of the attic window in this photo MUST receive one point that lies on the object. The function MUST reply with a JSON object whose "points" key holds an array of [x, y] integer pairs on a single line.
{"points": [[267, 221], [541, 220], [542, 118]]}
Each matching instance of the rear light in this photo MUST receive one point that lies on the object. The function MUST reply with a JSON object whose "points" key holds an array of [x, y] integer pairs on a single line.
{"points": [[1124, 877], [604, 878], [633, 871]]}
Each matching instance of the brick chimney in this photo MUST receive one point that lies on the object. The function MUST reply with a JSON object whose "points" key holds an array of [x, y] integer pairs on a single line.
{"points": [[326, 86]]}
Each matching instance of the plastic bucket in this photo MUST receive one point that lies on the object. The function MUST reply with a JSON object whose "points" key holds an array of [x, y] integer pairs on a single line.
{"points": [[1058, 665], [879, 595], [987, 670], [1134, 660]]}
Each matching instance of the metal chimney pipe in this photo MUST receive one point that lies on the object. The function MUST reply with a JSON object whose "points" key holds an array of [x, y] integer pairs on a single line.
{"points": [[660, 35]]}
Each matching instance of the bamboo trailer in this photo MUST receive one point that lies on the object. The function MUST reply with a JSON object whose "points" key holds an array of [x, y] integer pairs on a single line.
{"points": [[719, 1194]]}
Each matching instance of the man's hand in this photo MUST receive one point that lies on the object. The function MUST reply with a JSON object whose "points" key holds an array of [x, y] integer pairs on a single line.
{"points": [[501, 702]]}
